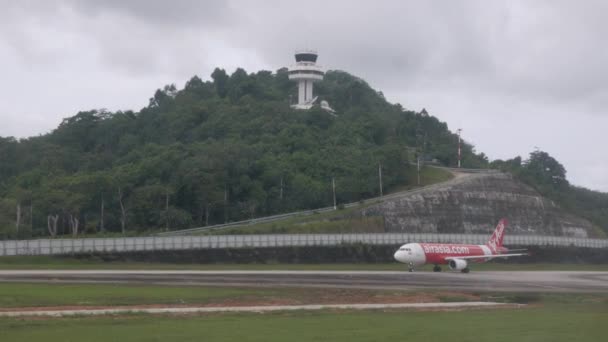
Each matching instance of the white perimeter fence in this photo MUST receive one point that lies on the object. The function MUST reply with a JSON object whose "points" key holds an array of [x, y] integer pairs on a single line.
{"points": [[156, 243]]}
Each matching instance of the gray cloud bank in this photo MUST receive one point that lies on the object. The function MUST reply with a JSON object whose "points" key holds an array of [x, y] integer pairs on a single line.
{"points": [[512, 74]]}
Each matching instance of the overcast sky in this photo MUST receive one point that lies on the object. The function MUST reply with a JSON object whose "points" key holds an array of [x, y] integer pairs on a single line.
{"points": [[514, 75]]}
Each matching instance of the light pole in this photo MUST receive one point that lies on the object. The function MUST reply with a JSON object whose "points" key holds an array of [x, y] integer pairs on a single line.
{"points": [[459, 153]]}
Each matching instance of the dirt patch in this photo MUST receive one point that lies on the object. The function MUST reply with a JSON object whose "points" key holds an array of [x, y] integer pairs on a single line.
{"points": [[346, 296]]}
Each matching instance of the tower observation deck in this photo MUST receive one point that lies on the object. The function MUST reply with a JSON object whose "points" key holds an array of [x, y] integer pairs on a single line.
{"points": [[305, 72]]}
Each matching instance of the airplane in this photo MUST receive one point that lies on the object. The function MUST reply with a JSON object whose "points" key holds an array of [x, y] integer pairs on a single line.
{"points": [[456, 256]]}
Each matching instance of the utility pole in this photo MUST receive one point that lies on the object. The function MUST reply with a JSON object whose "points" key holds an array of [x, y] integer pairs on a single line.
{"points": [[31, 218], [101, 223], [459, 153], [418, 167], [225, 203], [380, 177], [167, 209], [333, 187]]}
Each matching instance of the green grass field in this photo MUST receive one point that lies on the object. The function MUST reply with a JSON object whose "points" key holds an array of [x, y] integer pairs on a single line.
{"points": [[554, 317], [18, 295], [552, 323], [428, 175], [31, 294], [47, 262], [335, 222]]}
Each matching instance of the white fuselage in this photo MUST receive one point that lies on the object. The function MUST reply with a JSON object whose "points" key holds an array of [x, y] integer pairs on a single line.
{"points": [[411, 253]]}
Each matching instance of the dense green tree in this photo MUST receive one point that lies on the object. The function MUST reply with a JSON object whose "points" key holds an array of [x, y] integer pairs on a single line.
{"points": [[225, 149], [220, 80], [547, 175]]}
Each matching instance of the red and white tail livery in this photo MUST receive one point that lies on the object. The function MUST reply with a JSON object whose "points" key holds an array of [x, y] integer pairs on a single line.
{"points": [[496, 240], [456, 256]]}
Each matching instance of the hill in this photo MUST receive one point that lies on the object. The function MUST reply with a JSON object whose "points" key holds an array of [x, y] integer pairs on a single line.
{"points": [[547, 176], [215, 151], [473, 204], [470, 203]]}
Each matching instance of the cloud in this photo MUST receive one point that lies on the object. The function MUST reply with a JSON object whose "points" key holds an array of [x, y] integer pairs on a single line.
{"points": [[512, 74], [166, 14]]}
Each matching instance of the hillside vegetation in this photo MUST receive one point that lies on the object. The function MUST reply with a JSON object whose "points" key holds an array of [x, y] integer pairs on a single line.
{"points": [[215, 151], [548, 176]]}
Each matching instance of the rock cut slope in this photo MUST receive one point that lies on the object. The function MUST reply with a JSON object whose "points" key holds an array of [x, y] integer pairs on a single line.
{"points": [[472, 203]]}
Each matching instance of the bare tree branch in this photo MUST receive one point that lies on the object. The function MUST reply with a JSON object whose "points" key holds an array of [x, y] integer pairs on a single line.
{"points": [[52, 224]]}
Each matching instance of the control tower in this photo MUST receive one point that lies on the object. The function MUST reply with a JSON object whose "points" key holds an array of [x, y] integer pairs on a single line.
{"points": [[305, 72]]}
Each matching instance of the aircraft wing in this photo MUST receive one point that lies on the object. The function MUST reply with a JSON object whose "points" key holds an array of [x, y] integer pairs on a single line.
{"points": [[485, 256]]}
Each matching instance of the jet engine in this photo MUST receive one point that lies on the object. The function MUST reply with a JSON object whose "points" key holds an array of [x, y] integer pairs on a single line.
{"points": [[457, 264]]}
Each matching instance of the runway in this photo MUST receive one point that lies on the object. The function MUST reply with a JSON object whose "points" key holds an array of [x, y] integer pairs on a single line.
{"points": [[523, 281]]}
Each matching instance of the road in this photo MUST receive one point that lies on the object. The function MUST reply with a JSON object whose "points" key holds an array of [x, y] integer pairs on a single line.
{"points": [[523, 281]]}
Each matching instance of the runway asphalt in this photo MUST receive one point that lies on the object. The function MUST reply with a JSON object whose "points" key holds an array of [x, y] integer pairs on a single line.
{"points": [[522, 281]]}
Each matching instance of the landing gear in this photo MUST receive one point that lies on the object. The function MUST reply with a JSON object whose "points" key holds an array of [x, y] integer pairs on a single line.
{"points": [[436, 268], [410, 267], [465, 270]]}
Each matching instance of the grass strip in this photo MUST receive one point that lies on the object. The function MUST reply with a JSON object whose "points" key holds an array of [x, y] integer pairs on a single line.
{"points": [[578, 323]]}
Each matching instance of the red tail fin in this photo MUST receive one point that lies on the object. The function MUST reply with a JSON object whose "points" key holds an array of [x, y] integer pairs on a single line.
{"points": [[495, 241]]}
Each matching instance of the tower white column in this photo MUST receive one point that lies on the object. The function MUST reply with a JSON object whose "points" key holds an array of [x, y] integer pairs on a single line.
{"points": [[301, 92], [309, 90], [305, 72]]}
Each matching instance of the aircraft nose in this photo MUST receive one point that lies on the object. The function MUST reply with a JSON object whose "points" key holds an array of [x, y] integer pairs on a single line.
{"points": [[398, 256]]}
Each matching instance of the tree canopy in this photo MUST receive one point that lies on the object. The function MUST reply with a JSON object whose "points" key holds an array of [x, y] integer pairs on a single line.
{"points": [[548, 176], [220, 150]]}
